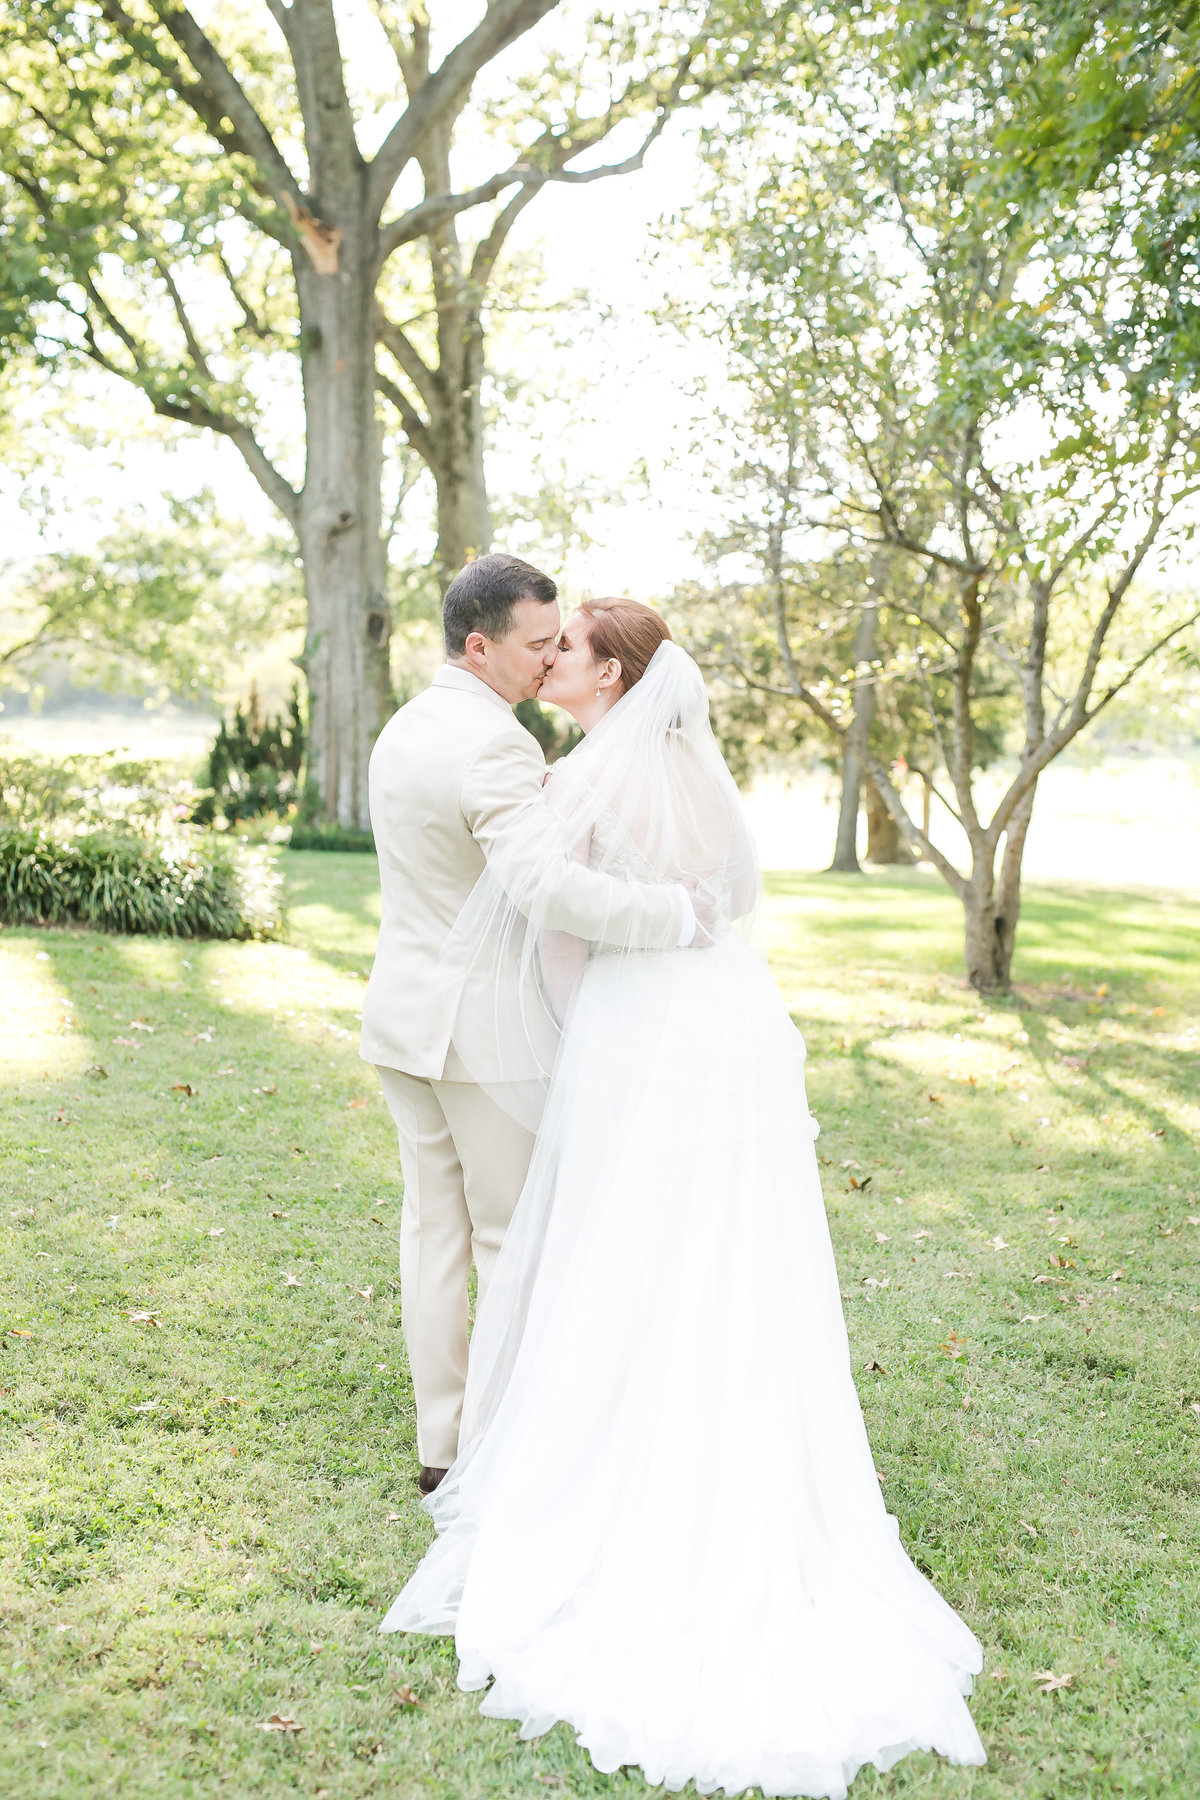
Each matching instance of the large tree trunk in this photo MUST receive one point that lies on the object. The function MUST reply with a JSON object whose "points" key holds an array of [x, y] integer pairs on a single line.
{"points": [[346, 652], [854, 747], [455, 434], [885, 842], [464, 520]]}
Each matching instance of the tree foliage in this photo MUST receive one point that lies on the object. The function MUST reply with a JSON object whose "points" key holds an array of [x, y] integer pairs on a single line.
{"points": [[958, 376], [229, 211], [160, 603]]}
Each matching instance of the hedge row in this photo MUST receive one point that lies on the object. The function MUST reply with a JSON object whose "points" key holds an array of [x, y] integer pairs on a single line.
{"points": [[184, 886], [330, 837]]}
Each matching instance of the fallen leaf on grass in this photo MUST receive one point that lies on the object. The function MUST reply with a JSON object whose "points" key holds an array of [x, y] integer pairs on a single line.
{"points": [[358, 1101], [277, 1213], [937, 1099], [97, 1071], [127, 1043], [146, 1406], [881, 1237], [292, 1281], [217, 1231], [954, 1346], [1050, 1683], [202, 1037], [1060, 1262], [918, 1235], [874, 1368], [1117, 1275], [140, 1025], [267, 1091], [1031, 1319], [393, 1518], [998, 1243], [1031, 1529], [185, 1088], [15, 1331], [367, 1293], [144, 1318], [375, 1221], [864, 1183], [875, 1282], [404, 1695], [279, 1722], [229, 1400], [1042, 1169]]}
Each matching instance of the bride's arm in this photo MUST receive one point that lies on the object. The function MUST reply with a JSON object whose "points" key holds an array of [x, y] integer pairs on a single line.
{"points": [[563, 956], [504, 809]]}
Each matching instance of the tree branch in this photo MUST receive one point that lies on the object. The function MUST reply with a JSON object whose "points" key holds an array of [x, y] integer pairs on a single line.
{"points": [[1140, 664], [409, 358], [195, 350], [415, 428], [910, 831], [251, 318], [217, 98], [503, 23]]}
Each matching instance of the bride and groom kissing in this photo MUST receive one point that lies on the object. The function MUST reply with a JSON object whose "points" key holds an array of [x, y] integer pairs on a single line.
{"points": [[657, 1512]]}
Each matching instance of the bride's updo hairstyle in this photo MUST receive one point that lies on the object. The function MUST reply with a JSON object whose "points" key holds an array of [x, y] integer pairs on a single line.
{"points": [[627, 631]]}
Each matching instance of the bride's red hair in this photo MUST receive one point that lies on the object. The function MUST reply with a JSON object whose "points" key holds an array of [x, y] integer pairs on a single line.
{"points": [[627, 631]]}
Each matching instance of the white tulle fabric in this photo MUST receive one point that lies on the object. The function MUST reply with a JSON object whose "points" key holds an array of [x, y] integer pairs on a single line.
{"points": [[664, 1525], [645, 797]]}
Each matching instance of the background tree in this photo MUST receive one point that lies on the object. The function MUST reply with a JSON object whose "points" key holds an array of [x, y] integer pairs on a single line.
{"points": [[816, 612], [211, 212], [158, 603], [968, 365]]}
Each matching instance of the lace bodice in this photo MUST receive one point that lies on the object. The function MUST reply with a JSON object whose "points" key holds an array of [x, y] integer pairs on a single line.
{"points": [[614, 851]]}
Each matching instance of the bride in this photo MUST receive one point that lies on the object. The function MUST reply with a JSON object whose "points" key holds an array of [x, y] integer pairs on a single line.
{"points": [[664, 1525]]}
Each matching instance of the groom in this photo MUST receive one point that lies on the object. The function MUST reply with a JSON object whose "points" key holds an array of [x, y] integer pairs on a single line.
{"points": [[450, 773]]}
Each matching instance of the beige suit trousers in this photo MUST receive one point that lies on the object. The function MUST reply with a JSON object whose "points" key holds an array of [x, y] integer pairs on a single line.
{"points": [[464, 1162]]}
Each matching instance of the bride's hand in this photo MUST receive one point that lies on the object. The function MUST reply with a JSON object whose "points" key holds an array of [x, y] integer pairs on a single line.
{"points": [[704, 906]]}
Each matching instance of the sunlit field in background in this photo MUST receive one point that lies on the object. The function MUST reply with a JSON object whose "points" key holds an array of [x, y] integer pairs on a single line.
{"points": [[208, 1492]]}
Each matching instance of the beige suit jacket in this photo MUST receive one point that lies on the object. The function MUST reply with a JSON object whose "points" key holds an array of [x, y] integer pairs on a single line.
{"points": [[449, 772]]}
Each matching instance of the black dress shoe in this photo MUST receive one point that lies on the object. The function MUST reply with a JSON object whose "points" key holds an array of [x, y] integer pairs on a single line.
{"points": [[428, 1479]]}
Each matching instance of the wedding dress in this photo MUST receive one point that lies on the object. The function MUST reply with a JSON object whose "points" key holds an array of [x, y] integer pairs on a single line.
{"points": [[664, 1525]]}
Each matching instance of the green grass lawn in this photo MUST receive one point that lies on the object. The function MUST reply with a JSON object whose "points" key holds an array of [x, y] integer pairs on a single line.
{"points": [[208, 1493]]}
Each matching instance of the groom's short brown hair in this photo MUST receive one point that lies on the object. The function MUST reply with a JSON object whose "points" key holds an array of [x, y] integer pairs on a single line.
{"points": [[482, 596]]}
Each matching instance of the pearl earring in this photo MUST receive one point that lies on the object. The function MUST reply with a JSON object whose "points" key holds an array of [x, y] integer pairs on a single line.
{"points": [[597, 693]]}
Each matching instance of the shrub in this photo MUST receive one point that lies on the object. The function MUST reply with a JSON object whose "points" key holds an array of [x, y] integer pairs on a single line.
{"points": [[330, 837], [93, 792], [187, 885], [255, 762]]}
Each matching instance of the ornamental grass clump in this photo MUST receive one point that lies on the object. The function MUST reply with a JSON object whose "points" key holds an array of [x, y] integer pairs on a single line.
{"points": [[183, 885]]}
